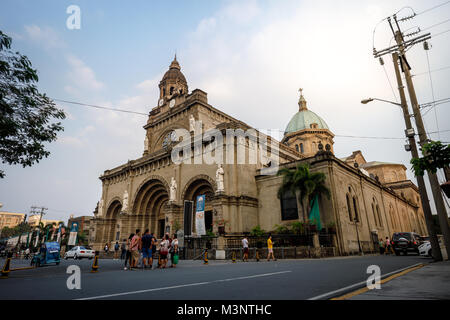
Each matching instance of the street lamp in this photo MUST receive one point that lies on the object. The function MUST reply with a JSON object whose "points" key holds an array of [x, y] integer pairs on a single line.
{"points": [[366, 101]]}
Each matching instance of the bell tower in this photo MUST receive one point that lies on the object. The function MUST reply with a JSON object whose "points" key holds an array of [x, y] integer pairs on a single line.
{"points": [[173, 82]]}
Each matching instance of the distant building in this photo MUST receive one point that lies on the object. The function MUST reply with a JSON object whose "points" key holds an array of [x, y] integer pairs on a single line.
{"points": [[84, 223], [10, 219], [34, 221]]}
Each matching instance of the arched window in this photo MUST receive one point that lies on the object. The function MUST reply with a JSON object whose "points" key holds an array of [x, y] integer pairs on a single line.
{"points": [[171, 90], [374, 213], [349, 208], [379, 216], [296, 147], [289, 210], [355, 208], [301, 148]]}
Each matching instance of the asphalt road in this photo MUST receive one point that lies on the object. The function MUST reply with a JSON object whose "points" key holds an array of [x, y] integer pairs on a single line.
{"points": [[220, 280]]}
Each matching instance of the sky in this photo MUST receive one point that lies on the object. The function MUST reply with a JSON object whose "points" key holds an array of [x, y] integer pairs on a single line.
{"points": [[251, 57]]}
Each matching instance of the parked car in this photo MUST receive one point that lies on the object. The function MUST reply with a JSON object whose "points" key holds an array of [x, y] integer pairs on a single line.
{"points": [[79, 252], [406, 242], [425, 249]]}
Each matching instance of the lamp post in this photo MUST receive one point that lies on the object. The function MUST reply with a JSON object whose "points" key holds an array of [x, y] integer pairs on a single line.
{"points": [[366, 101]]}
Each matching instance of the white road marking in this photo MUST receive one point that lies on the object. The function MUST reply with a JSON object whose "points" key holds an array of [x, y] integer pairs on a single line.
{"points": [[356, 285], [182, 286]]}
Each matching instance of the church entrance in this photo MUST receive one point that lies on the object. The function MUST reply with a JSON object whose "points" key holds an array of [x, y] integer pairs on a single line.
{"points": [[208, 221], [161, 227]]}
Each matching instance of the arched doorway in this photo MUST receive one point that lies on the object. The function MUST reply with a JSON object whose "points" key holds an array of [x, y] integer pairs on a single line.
{"points": [[195, 188], [112, 215], [148, 207]]}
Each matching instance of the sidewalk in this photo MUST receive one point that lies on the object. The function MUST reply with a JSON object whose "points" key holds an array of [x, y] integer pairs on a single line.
{"points": [[431, 282]]}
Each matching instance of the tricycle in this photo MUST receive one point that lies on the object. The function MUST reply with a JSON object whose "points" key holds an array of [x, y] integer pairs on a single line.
{"points": [[48, 253]]}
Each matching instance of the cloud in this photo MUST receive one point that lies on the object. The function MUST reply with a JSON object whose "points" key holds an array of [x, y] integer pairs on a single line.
{"points": [[70, 141], [81, 77], [45, 36]]}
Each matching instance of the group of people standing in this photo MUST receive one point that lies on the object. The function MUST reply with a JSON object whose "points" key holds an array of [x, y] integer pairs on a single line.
{"points": [[144, 246], [385, 246]]}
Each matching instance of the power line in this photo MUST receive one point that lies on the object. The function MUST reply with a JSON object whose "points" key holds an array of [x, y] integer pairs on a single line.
{"points": [[101, 107], [435, 70], [438, 34], [432, 90], [432, 8], [434, 25]]}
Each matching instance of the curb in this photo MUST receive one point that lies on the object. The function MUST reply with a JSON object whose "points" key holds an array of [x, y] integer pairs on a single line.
{"points": [[334, 295]]}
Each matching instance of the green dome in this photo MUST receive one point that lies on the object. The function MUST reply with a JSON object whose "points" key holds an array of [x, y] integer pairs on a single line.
{"points": [[303, 120]]}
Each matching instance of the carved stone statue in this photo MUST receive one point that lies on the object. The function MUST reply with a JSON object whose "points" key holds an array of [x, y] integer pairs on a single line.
{"points": [[191, 123], [146, 143], [173, 189], [100, 208], [219, 178], [125, 201]]}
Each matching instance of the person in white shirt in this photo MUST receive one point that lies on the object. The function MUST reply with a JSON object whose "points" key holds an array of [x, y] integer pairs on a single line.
{"points": [[245, 247]]}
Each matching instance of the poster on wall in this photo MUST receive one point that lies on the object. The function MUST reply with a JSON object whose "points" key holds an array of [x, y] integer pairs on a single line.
{"points": [[73, 234], [200, 215]]}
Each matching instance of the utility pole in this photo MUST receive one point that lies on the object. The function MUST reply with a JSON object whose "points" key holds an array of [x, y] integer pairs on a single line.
{"points": [[435, 187], [435, 249]]}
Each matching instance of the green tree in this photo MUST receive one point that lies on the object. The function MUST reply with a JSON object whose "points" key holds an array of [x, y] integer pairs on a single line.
{"points": [[257, 231], [25, 114], [435, 156], [304, 184]]}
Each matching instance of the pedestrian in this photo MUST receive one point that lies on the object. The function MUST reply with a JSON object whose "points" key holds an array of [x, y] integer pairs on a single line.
{"points": [[106, 248], [147, 249], [270, 248], [116, 251], [174, 251], [154, 241], [388, 246], [128, 252], [245, 249], [27, 253], [134, 248], [164, 250], [381, 245], [123, 254]]}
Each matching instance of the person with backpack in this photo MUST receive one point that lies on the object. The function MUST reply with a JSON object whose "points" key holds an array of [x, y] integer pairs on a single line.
{"points": [[123, 254], [147, 241], [116, 251], [164, 250]]}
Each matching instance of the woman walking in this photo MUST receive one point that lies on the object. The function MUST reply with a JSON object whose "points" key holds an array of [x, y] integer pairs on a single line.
{"points": [[174, 251], [164, 250], [128, 252]]}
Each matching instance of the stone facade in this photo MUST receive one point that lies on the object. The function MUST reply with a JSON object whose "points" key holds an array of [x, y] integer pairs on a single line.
{"points": [[155, 192]]}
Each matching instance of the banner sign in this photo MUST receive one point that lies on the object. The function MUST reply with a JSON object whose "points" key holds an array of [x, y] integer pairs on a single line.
{"points": [[73, 234], [200, 215]]}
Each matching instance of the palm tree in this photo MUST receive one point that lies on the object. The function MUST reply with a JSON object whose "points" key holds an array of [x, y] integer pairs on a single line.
{"points": [[304, 184]]}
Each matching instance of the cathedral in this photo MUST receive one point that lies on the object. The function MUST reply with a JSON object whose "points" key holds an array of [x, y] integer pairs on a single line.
{"points": [[159, 191]]}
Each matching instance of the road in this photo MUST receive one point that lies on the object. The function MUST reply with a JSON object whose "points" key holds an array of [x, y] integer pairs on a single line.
{"points": [[219, 280]]}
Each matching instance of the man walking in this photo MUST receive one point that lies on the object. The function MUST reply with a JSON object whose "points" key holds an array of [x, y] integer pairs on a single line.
{"points": [[134, 247], [245, 249], [147, 240], [270, 248]]}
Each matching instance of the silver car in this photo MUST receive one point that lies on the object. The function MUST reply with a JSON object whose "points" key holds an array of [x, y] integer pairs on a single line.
{"points": [[79, 252]]}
